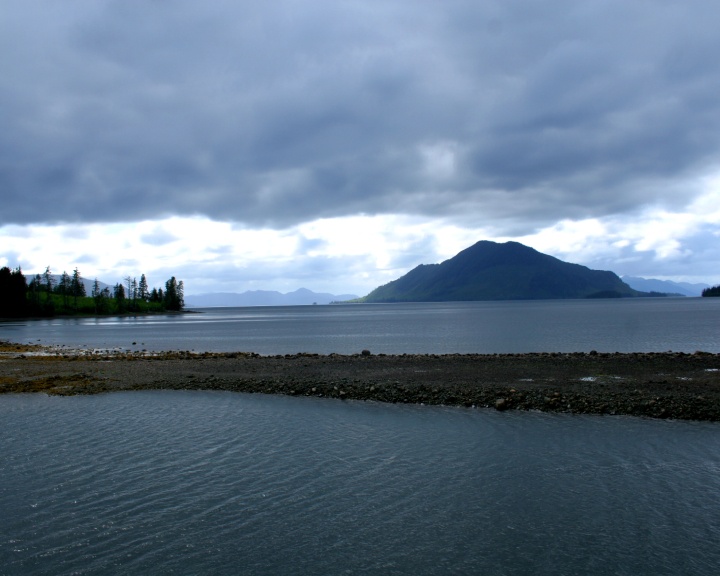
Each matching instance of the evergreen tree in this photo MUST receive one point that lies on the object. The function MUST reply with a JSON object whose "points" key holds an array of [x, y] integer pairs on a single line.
{"points": [[102, 300], [63, 287], [48, 281], [13, 289], [174, 299], [18, 298], [77, 287], [181, 295], [19, 289], [35, 288], [143, 293], [132, 289], [97, 295], [119, 293]]}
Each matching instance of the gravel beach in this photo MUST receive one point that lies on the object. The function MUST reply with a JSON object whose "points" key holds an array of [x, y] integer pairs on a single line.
{"points": [[659, 385]]}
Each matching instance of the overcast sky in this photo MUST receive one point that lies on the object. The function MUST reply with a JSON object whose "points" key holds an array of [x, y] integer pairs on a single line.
{"points": [[335, 145]]}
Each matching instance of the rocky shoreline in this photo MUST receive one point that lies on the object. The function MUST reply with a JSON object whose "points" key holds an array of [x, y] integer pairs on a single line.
{"points": [[658, 385]]}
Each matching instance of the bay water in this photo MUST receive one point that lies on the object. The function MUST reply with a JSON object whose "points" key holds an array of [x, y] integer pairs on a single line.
{"points": [[627, 325], [227, 483], [223, 483]]}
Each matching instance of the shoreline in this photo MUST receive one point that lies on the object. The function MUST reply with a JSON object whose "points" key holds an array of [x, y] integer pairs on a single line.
{"points": [[668, 385], [94, 315]]}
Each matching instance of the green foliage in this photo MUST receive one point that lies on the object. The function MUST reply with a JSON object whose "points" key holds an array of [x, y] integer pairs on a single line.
{"points": [[143, 293], [120, 300], [43, 297], [174, 296], [48, 280], [77, 288], [13, 290], [89, 305]]}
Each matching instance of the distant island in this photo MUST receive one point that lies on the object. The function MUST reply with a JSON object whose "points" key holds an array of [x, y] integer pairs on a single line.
{"points": [[509, 271], [667, 286], [299, 297], [48, 294]]}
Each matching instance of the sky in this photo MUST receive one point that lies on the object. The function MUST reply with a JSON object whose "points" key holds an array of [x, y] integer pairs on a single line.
{"points": [[335, 145]]}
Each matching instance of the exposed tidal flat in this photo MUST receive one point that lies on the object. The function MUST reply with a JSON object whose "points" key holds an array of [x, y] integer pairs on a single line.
{"points": [[670, 385]]}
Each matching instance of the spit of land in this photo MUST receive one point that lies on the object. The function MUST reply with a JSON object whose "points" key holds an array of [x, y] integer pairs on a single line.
{"points": [[661, 385]]}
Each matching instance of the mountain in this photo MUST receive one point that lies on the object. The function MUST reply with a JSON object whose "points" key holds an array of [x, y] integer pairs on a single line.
{"points": [[652, 285], [509, 271], [299, 297]]}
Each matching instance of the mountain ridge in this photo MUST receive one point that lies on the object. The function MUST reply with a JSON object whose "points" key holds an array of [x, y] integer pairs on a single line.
{"points": [[509, 271], [299, 297], [655, 285]]}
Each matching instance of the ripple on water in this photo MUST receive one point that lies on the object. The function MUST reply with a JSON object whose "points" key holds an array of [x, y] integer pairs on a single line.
{"points": [[207, 482]]}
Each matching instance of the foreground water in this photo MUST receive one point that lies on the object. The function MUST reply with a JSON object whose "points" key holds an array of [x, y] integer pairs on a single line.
{"points": [[223, 483], [627, 325]]}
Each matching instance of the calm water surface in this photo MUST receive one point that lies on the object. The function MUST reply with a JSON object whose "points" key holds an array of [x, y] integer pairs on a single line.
{"points": [[223, 483], [632, 325]]}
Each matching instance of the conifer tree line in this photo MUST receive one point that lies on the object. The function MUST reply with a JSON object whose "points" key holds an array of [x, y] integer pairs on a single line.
{"points": [[47, 295]]}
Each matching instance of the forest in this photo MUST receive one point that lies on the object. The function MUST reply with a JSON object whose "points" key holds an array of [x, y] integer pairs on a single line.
{"points": [[46, 295]]}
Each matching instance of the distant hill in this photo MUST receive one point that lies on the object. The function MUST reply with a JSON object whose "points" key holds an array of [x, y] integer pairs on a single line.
{"points": [[509, 271], [652, 285], [299, 297]]}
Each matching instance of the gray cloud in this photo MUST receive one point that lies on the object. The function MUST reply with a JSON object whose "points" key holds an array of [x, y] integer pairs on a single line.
{"points": [[87, 259], [305, 244], [158, 237], [698, 260], [274, 114], [10, 259]]}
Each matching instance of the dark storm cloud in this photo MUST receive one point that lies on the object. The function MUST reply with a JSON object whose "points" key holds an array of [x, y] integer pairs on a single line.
{"points": [[275, 113]]}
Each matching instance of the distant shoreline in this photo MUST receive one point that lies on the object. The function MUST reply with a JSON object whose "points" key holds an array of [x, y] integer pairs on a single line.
{"points": [[87, 315], [659, 385]]}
